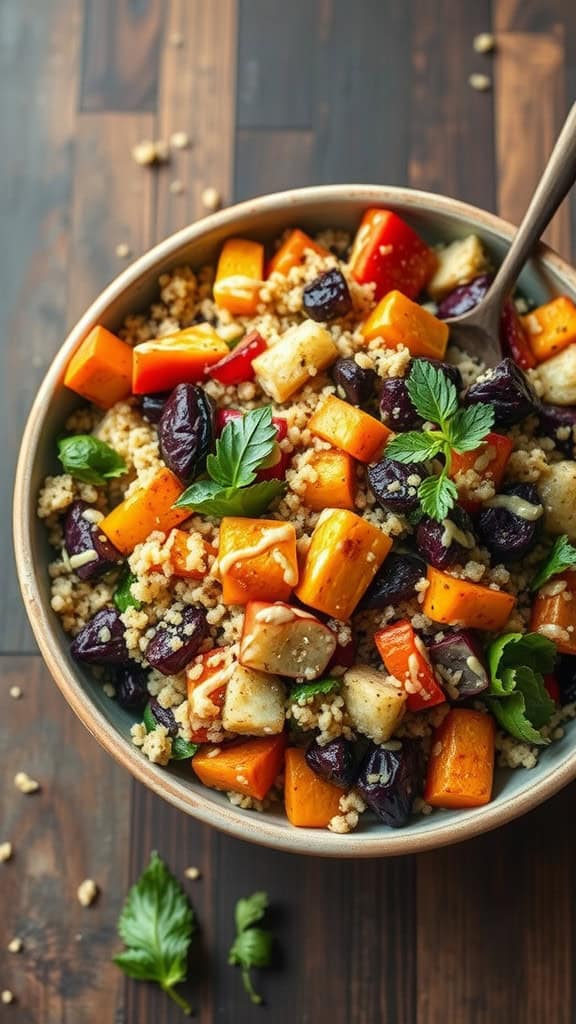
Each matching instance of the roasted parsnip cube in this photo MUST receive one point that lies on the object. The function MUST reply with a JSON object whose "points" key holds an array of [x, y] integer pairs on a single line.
{"points": [[558, 377], [458, 263], [558, 493], [285, 641], [291, 362], [254, 703], [374, 701]]}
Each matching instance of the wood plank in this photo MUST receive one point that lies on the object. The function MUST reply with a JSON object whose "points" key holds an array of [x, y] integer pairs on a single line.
{"points": [[112, 203], [197, 86], [75, 827], [363, 77], [451, 127], [122, 41], [276, 64], [267, 161], [38, 67]]}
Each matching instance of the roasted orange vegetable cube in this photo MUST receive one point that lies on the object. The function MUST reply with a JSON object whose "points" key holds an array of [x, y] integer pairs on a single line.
{"points": [[461, 765], [349, 429], [181, 358], [551, 327], [399, 321], [146, 509], [249, 767], [554, 612], [335, 482], [189, 548], [101, 369], [488, 462], [389, 254], [256, 560], [292, 250], [310, 801], [239, 276], [345, 554], [460, 603]]}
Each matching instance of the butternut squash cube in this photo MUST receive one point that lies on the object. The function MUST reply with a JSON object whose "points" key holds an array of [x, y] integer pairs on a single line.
{"points": [[256, 560], [300, 354], [399, 321], [348, 428], [146, 509], [335, 482], [239, 276]]}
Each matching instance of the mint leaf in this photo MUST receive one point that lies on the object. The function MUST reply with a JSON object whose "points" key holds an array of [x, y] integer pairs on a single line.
{"points": [[242, 448], [468, 427], [90, 460], [208, 497], [432, 392], [437, 496], [250, 911], [252, 947], [123, 597], [414, 446], [517, 695], [312, 689], [182, 750], [561, 557], [156, 924]]}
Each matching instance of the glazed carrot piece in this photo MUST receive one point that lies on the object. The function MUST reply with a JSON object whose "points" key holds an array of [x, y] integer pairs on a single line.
{"points": [[101, 369], [257, 560], [489, 461], [249, 767], [554, 614], [345, 554], [181, 358], [460, 603], [461, 765], [146, 509], [551, 328], [310, 801], [239, 276], [292, 250], [404, 656], [349, 429], [399, 321], [335, 483]]}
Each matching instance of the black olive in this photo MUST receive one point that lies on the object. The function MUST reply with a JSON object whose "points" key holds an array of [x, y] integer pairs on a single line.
{"points": [[131, 687], [395, 485], [175, 644], [186, 431], [509, 536], [101, 641], [152, 406], [327, 297], [394, 582], [437, 544], [333, 762], [356, 384], [464, 298], [508, 390], [81, 535]]}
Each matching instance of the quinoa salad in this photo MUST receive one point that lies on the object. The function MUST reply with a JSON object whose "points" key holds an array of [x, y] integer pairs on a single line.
{"points": [[318, 554]]}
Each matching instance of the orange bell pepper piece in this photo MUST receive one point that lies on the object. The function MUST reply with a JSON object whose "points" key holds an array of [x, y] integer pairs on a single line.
{"points": [[345, 554], [461, 765], [489, 461], [182, 358], [257, 560], [551, 328], [554, 615], [249, 767], [399, 321], [460, 603], [239, 276], [146, 509], [388, 253], [335, 483], [404, 656], [310, 802], [292, 251], [349, 429], [101, 369]]}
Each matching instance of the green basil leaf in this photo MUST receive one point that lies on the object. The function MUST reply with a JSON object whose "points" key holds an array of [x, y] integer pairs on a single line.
{"points": [[148, 719], [182, 750], [561, 557], [312, 689], [242, 448], [90, 460]]}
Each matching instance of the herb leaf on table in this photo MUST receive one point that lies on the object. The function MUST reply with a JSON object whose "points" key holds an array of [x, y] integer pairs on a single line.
{"points": [[252, 946]]}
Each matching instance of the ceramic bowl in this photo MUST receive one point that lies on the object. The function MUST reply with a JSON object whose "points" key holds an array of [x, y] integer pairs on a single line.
{"points": [[437, 218]]}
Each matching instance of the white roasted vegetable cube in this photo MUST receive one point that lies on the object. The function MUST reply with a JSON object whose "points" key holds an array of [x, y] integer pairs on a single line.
{"points": [[286, 641], [458, 263], [254, 703], [374, 701], [558, 377], [300, 354], [558, 493]]}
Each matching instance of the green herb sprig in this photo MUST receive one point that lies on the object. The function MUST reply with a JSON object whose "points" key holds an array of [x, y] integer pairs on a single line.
{"points": [[88, 459], [123, 596], [244, 447], [562, 556], [517, 695], [252, 946], [323, 686], [435, 399]]}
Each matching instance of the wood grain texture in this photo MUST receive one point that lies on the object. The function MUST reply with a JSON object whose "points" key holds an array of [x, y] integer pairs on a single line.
{"points": [[74, 828], [122, 39], [269, 161]]}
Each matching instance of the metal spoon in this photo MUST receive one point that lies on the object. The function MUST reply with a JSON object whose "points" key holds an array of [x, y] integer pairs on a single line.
{"points": [[477, 331]]}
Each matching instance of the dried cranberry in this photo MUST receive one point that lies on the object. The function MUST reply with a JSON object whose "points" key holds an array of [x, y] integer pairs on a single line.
{"points": [[356, 384], [508, 390], [507, 535], [396, 581], [437, 542], [101, 641], [333, 762], [393, 486], [163, 716], [81, 534], [396, 409], [464, 298], [186, 430], [327, 297], [175, 644]]}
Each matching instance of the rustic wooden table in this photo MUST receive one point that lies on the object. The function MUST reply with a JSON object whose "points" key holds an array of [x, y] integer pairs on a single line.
{"points": [[272, 95]]}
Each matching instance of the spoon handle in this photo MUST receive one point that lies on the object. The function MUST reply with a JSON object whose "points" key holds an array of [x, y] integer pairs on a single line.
{"points": [[556, 181]]}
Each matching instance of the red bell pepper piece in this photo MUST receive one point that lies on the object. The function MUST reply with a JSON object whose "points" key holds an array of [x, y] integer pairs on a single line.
{"points": [[236, 367], [388, 253], [405, 657], [494, 469], [514, 339], [551, 684]]}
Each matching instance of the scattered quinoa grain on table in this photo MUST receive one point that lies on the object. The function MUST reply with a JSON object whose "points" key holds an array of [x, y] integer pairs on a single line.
{"points": [[301, 546], [7, 997], [25, 783], [87, 892], [6, 852], [15, 946]]}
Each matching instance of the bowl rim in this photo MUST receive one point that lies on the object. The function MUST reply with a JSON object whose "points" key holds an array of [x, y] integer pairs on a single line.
{"points": [[231, 820]]}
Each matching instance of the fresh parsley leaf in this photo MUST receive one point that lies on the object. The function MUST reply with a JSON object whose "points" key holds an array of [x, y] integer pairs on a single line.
{"points": [[182, 750], [207, 497], [468, 427], [432, 392], [312, 689], [415, 446], [517, 695], [123, 597], [511, 715], [252, 946], [90, 460], [437, 494], [242, 448], [156, 926], [561, 557]]}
